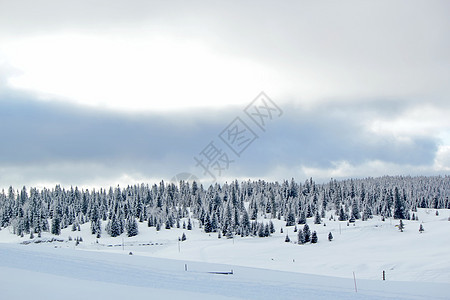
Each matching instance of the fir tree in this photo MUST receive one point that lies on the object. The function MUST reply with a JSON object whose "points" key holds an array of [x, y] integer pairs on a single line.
{"points": [[290, 221], [355, 210], [399, 206], [306, 233], [56, 225], [266, 230], [207, 226], [342, 214], [302, 219], [300, 237], [421, 228], [314, 238], [261, 230], [330, 236], [271, 227], [132, 227], [317, 219]]}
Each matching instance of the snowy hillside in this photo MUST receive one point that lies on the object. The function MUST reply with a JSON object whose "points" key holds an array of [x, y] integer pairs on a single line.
{"points": [[27, 271], [263, 268]]}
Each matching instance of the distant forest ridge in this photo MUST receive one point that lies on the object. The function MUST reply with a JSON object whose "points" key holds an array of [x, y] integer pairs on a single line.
{"points": [[234, 208]]}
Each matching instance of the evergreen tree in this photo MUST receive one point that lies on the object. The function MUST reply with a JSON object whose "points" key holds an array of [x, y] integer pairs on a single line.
{"points": [[309, 212], [342, 214], [113, 227], [317, 219], [56, 225], [271, 227], [302, 219], [301, 237], [314, 238], [266, 230], [399, 206], [330, 236], [167, 224], [421, 228], [261, 230], [290, 221], [306, 233], [245, 224], [207, 226], [132, 227], [355, 210]]}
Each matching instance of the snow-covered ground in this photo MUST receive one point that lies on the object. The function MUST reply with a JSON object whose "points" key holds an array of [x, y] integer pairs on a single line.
{"points": [[417, 265]]}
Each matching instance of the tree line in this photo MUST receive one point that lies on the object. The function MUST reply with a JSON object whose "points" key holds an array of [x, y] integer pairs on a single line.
{"points": [[236, 208]]}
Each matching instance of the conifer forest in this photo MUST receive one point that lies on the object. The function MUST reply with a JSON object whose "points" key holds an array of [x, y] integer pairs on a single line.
{"points": [[236, 208]]}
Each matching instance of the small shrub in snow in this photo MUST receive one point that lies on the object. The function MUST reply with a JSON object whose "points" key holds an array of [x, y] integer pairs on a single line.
{"points": [[287, 239], [421, 228]]}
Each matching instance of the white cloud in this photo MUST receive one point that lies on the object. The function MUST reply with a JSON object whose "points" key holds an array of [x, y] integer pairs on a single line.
{"points": [[442, 160], [150, 56], [423, 120], [133, 73]]}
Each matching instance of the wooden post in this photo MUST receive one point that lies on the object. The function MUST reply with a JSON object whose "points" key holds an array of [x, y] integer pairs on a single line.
{"points": [[185, 267], [354, 279], [384, 275]]}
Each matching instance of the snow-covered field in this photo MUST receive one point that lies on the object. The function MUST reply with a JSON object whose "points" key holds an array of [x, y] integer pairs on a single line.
{"points": [[417, 265]]}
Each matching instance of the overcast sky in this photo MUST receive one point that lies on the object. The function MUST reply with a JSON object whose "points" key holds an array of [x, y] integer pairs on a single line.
{"points": [[99, 93]]}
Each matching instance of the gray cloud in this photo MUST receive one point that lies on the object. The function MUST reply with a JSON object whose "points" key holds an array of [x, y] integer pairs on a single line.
{"points": [[50, 141]]}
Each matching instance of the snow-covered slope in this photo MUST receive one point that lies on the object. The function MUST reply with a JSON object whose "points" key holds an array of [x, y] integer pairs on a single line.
{"points": [[56, 273], [417, 265]]}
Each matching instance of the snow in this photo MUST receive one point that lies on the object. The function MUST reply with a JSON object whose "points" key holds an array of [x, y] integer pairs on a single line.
{"points": [[417, 264]]}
